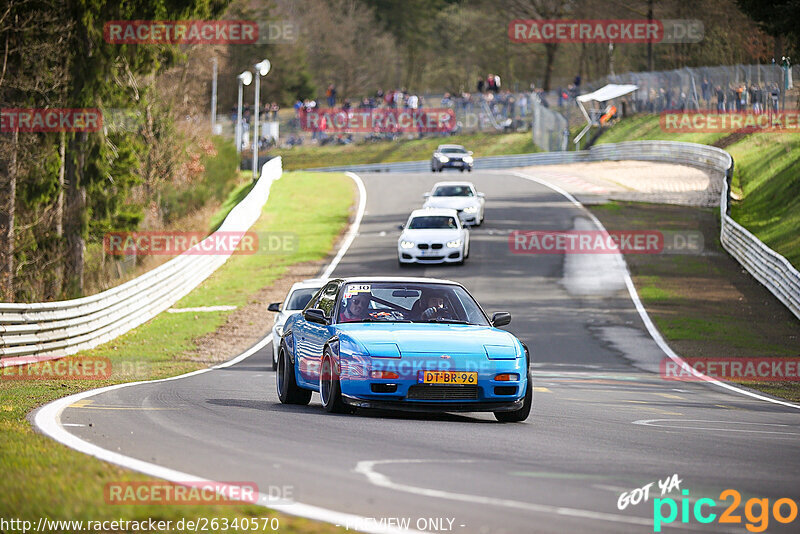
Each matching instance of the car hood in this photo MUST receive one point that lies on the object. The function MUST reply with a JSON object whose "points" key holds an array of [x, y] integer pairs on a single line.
{"points": [[456, 203], [380, 339], [430, 235]]}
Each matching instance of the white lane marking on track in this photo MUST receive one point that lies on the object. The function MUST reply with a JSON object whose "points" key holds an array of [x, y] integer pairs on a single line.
{"points": [[72, 424], [651, 328], [367, 468], [650, 422], [48, 421], [353, 231]]}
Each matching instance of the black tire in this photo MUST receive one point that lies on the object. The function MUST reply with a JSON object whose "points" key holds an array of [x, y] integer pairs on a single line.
{"points": [[433, 170], [330, 391], [517, 416], [288, 390], [462, 169], [469, 170], [274, 361], [441, 169], [403, 265]]}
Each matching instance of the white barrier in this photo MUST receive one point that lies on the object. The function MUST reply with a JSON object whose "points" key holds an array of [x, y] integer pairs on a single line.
{"points": [[47, 330], [767, 266]]}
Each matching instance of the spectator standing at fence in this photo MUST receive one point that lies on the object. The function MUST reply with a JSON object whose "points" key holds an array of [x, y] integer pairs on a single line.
{"points": [[775, 94], [330, 94], [480, 85], [447, 102], [705, 90], [490, 83], [412, 102]]}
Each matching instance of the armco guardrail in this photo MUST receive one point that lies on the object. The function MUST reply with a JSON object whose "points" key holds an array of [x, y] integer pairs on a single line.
{"points": [[767, 266], [47, 330]]}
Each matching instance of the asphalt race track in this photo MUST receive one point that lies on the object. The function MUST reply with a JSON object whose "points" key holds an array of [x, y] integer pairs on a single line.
{"points": [[603, 421]]}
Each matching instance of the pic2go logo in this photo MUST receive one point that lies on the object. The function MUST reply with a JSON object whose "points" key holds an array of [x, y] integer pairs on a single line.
{"points": [[758, 522]]}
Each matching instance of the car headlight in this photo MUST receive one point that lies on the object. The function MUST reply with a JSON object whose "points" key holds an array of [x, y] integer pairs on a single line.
{"points": [[467, 159], [443, 159], [454, 244], [406, 244], [279, 330], [471, 209]]}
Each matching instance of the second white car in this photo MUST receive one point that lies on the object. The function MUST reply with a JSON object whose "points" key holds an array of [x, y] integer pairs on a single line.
{"points": [[433, 236], [460, 196]]}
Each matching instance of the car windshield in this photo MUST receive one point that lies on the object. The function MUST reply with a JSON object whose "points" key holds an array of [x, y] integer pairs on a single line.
{"points": [[300, 297], [432, 222], [409, 303], [453, 191], [452, 150]]}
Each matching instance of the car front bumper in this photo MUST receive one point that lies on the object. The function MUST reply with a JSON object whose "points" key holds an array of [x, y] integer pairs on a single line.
{"points": [[443, 255], [443, 406], [406, 392]]}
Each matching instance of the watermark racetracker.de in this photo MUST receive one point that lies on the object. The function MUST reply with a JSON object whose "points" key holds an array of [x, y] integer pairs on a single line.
{"points": [[73, 368], [754, 369], [712, 121], [605, 242], [173, 243], [620, 31], [200, 32], [27, 120], [380, 120]]}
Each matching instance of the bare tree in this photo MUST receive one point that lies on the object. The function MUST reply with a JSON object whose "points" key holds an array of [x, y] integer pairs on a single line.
{"points": [[544, 10]]}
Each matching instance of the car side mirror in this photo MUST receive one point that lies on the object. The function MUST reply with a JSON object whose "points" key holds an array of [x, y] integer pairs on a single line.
{"points": [[315, 315], [481, 195], [469, 152], [501, 319], [401, 226], [274, 307], [426, 195]]}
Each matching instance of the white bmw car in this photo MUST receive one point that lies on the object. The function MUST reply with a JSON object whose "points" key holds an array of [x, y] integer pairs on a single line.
{"points": [[295, 301], [433, 236], [460, 196]]}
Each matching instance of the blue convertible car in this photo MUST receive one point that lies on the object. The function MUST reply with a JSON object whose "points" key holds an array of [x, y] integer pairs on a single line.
{"points": [[403, 344]]}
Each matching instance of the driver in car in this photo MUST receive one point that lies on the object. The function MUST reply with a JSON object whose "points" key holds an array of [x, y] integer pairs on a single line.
{"points": [[357, 308], [434, 306]]}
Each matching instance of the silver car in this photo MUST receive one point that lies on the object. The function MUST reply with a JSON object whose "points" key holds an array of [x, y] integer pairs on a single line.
{"points": [[295, 301], [451, 157]]}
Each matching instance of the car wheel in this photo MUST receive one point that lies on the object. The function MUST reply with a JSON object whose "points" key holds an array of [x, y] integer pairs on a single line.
{"points": [[274, 360], [462, 169], [469, 170], [441, 169], [288, 390], [520, 415], [403, 265], [330, 391]]}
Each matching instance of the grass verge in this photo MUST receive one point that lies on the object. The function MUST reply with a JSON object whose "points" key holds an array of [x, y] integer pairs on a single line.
{"points": [[765, 183], [41, 478], [482, 144], [705, 305]]}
